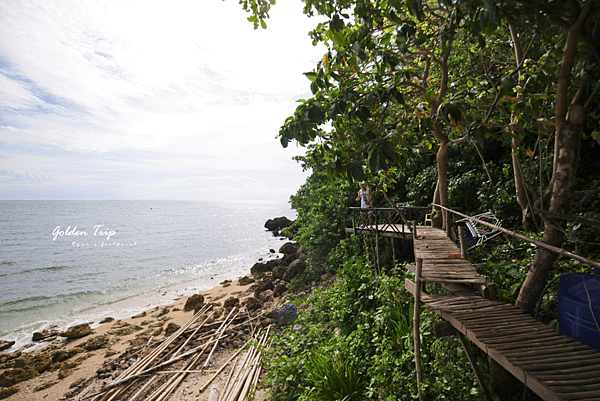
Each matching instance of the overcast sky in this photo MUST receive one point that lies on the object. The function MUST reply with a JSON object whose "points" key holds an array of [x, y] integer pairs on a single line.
{"points": [[149, 99]]}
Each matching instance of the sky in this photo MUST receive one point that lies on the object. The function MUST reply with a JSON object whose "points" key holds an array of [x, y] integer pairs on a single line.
{"points": [[149, 99]]}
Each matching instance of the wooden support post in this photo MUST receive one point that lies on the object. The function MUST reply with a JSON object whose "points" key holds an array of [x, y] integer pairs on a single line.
{"points": [[416, 324], [393, 252], [463, 243], [473, 363], [377, 249], [414, 224]]}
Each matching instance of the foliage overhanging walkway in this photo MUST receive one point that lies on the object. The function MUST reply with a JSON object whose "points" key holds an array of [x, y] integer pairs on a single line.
{"points": [[552, 365]]}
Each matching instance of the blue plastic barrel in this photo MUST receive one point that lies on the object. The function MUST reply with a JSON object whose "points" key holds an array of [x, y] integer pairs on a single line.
{"points": [[575, 318]]}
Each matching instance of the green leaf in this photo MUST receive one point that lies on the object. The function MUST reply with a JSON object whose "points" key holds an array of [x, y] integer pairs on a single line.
{"points": [[311, 75]]}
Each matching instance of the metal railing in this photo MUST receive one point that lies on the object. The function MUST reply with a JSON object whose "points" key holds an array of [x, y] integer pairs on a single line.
{"points": [[385, 219]]}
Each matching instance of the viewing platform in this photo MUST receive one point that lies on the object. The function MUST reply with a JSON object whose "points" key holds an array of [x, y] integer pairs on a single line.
{"points": [[385, 222]]}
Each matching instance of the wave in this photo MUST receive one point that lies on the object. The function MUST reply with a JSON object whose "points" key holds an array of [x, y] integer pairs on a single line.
{"points": [[35, 269]]}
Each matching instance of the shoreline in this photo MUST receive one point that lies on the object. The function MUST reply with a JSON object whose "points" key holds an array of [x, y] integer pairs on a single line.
{"points": [[125, 307], [119, 334]]}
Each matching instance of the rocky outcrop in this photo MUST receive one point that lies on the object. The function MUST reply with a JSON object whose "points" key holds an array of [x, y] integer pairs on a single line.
{"points": [[289, 248], [231, 302], [278, 223], [171, 328], [193, 302], [44, 334], [296, 267], [4, 344], [14, 376], [78, 331], [259, 269], [246, 280]]}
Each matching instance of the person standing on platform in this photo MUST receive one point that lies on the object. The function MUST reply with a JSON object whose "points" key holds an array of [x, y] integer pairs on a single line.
{"points": [[365, 195]]}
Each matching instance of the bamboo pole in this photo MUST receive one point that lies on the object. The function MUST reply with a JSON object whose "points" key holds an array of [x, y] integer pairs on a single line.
{"points": [[241, 378], [416, 328], [175, 380], [141, 363]]}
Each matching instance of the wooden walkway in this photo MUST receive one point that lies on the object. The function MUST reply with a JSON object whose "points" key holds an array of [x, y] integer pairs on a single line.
{"points": [[554, 366]]}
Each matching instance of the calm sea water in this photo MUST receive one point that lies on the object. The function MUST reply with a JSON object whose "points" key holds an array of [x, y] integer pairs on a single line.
{"points": [[65, 262]]}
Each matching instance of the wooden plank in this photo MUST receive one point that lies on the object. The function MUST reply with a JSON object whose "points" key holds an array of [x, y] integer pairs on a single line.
{"points": [[542, 351]]}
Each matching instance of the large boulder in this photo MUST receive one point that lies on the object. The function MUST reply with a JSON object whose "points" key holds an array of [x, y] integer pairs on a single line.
{"points": [[263, 286], [251, 303], [193, 301], [78, 331], [289, 248], [231, 302], [259, 269], [11, 377], [295, 268], [42, 335], [278, 223], [279, 272], [4, 344]]}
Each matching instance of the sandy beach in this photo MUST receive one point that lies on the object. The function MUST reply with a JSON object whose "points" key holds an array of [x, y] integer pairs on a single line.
{"points": [[78, 367]]}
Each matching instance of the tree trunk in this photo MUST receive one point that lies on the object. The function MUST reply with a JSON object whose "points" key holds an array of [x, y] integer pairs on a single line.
{"points": [[442, 168], [567, 162]]}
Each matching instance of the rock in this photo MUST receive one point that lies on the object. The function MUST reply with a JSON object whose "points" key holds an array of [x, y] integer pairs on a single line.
{"points": [[251, 303], [263, 286], [231, 302], [96, 342], [4, 344], [46, 385], [65, 373], [289, 248], [4, 358], [38, 362], [287, 259], [246, 280], [62, 354], [171, 328], [295, 268], [272, 250], [78, 331], [266, 295], [259, 269], [14, 376], [107, 320], [41, 335], [273, 263], [7, 392], [278, 223], [279, 289], [193, 301], [120, 328], [279, 272], [161, 312], [142, 314]]}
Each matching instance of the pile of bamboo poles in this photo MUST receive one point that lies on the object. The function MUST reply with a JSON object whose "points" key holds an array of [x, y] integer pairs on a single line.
{"points": [[147, 378], [244, 379]]}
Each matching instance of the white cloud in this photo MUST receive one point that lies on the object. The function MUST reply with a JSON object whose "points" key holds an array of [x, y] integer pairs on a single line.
{"points": [[180, 88]]}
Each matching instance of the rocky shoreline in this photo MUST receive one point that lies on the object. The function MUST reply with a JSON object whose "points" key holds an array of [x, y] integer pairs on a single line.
{"points": [[81, 360]]}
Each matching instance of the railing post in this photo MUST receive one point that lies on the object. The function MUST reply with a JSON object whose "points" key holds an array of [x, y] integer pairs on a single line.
{"points": [[416, 324], [463, 243]]}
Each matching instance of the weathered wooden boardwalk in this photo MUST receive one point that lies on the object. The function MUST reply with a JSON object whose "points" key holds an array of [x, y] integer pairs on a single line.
{"points": [[554, 366]]}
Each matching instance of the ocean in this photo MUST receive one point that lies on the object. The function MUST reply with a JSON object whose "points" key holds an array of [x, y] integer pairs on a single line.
{"points": [[68, 262]]}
